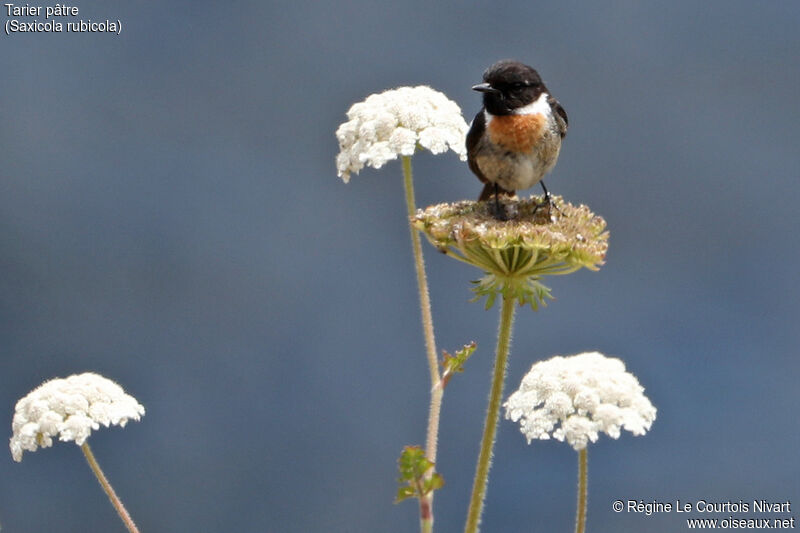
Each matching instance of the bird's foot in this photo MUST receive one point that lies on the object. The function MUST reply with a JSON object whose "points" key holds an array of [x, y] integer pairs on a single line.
{"points": [[543, 210]]}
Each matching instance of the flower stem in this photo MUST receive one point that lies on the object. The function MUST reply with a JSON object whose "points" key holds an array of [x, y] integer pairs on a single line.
{"points": [[426, 514], [422, 280], [492, 416], [583, 483], [115, 501], [426, 503]]}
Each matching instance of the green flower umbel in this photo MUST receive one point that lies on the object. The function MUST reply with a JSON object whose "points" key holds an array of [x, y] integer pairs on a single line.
{"points": [[517, 252]]}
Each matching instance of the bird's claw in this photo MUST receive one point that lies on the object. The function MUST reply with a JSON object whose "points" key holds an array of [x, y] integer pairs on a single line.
{"points": [[547, 204]]}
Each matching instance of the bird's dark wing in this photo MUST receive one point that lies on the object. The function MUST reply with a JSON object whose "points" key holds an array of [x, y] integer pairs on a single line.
{"points": [[559, 113], [473, 137]]}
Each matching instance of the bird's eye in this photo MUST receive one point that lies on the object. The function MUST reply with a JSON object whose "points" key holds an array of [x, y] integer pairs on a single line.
{"points": [[518, 86]]}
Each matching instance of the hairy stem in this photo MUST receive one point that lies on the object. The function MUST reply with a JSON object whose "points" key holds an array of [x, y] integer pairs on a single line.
{"points": [[426, 514], [583, 483], [431, 441], [109, 490], [492, 416]]}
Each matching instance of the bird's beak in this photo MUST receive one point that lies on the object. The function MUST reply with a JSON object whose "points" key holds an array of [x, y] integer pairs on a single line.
{"points": [[485, 88]]}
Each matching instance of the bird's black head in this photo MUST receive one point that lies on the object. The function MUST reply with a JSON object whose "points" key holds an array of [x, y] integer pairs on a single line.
{"points": [[509, 85]]}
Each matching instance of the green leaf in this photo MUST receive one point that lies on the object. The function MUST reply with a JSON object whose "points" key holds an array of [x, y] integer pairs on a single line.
{"points": [[434, 483], [414, 479], [404, 493], [455, 363]]}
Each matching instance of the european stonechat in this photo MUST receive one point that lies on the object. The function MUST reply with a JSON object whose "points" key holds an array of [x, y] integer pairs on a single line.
{"points": [[515, 138]]}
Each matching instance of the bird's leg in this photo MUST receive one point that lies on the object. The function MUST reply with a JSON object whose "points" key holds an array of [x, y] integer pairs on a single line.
{"points": [[499, 212], [547, 197]]}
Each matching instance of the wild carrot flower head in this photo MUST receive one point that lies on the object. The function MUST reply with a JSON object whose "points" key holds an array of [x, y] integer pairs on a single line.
{"points": [[577, 397], [394, 123], [70, 409], [517, 252]]}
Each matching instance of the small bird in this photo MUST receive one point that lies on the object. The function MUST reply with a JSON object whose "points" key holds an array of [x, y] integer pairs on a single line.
{"points": [[515, 138]]}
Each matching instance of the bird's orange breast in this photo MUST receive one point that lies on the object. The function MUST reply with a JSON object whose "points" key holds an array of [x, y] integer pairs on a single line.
{"points": [[517, 133]]}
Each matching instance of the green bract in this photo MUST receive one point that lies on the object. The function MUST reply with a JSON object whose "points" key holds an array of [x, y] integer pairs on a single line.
{"points": [[517, 252]]}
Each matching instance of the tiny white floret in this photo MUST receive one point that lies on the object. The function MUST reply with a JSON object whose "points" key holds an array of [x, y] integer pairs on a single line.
{"points": [[69, 408], [578, 397], [394, 123]]}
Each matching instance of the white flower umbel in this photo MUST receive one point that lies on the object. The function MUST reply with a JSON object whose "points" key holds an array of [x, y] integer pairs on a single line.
{"points": [[70, 409], [577, 397], [393, 123]]}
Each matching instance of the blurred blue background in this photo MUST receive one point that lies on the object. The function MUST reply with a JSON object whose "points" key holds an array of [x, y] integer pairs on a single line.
{"points": [[170, 217]]}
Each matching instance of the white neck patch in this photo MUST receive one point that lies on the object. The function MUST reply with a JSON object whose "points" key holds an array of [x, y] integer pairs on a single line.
{"points": [[537, 107]]}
